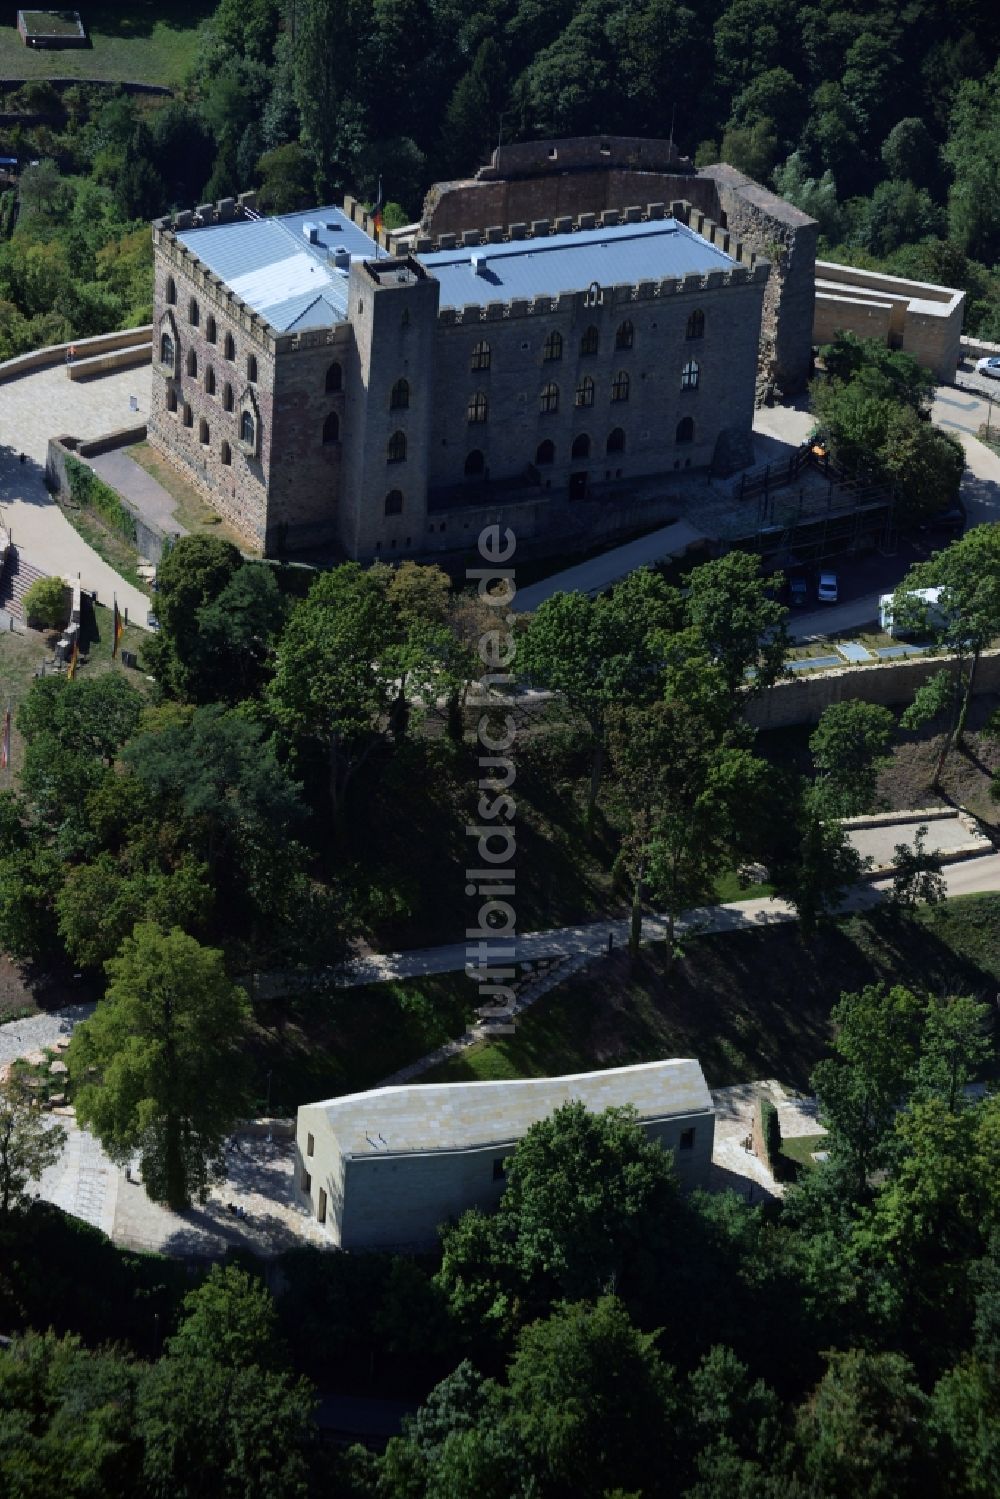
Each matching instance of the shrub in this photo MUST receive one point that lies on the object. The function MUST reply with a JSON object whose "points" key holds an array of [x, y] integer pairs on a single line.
{"points": [[91, 493], [46, 603], [770, 1133]]}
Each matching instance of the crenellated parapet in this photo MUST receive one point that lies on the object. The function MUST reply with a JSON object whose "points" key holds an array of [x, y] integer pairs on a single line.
{"points": [[613, 296]]}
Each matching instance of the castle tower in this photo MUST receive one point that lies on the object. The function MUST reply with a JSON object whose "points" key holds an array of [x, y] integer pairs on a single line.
{"points": [[392, 307]]}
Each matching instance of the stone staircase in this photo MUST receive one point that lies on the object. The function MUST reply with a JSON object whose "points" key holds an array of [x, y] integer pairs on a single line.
{"points": [[15, 580]]}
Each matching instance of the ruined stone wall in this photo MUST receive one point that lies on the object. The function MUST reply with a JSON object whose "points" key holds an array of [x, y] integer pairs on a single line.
{"points": [[787, 238]]}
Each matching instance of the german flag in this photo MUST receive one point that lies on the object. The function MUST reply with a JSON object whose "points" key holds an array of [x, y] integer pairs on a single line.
{"points": [[5, 741], [118, 630], [74, 658], [377, 209]]}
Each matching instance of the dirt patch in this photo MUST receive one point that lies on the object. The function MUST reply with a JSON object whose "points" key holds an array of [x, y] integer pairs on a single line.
{"points": [[26, 990]]}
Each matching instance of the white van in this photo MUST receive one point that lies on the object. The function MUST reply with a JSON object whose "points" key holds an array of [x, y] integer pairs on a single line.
{"points": [[930, 599]]}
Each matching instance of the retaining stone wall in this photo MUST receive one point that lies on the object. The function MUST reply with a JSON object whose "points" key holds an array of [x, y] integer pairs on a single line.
{"points": [[890, 683]]}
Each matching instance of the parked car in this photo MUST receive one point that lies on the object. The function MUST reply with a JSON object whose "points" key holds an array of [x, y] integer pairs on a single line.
{"points": [[798, 592], [152, 623], [989, 367], [827, 589]]}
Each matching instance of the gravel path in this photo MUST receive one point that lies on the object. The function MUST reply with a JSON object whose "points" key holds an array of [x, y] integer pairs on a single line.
{"points": [[19, 1037]]}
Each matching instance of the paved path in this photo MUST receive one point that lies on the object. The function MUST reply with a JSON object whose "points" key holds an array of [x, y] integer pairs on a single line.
{"points": [[148, 496], [44, 404], [600, 572], [745, 915]]}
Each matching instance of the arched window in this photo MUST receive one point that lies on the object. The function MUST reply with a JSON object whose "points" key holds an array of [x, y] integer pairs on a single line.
{"points": [[685, 430], [334, 377], [228, 399], [229, 347], [203, 432], [696, 324], [475, 463], [193, 313], [248, 429], [581, 446], [396, 448], [252, 368], [478, 409], [192, 362], [210, 330], [209, 380], [625, 337], [553, 347], [549, 399], [591, 341], [482, 354], [546, 452], [394, 502], [399, 396], [171, 291], [227, 454], [585, 392], [689, 376], [620, 386], [187, 416], [166, 349], [331, 428], [616, 440], [171, 398]]}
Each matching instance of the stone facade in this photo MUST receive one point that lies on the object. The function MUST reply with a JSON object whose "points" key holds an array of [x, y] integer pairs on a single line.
{"points": [[406, 426], [598, 173], [385, 1169]]}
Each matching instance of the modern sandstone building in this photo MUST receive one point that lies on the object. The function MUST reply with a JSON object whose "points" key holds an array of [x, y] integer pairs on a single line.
{"points": [[388, 397], [385, 1169]]}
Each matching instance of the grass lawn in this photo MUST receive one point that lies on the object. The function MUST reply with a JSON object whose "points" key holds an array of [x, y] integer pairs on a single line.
{"points": [[799, 1151], [193, 512], [144, 41], [747, 1004], [345, 1040]]}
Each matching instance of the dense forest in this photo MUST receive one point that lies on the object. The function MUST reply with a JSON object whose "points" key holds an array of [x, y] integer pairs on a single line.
{"points": [[877, 119]]}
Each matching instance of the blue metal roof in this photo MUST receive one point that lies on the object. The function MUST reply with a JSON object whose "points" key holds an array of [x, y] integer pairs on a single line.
{"points": [[272, 265], [619, 256]]}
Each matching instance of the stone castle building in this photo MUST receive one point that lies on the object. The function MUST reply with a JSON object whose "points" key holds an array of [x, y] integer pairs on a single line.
{"points": [[329, 387]]}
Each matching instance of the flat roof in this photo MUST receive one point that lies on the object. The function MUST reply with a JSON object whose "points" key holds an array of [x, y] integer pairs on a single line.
{"points": [[414, 1118], [658, 250], [273, 267]]}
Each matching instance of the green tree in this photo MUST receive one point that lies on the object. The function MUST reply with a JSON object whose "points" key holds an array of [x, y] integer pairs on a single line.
{"points": [[46, 603], [741, 627], [910, 153], [862, 1086], [334, 679], [238, 1433], [916, 874], [100, 902], [588, 1202], [956, 1042], [687, 799], [69, 1419], [29, 1142], [600, 654], [286, 175], [863, 1432], [30, 879], [192, 575], [229, 1319], [593, 1408], [965, 620], [849, 748], [236, 636], [159, 1068]]}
